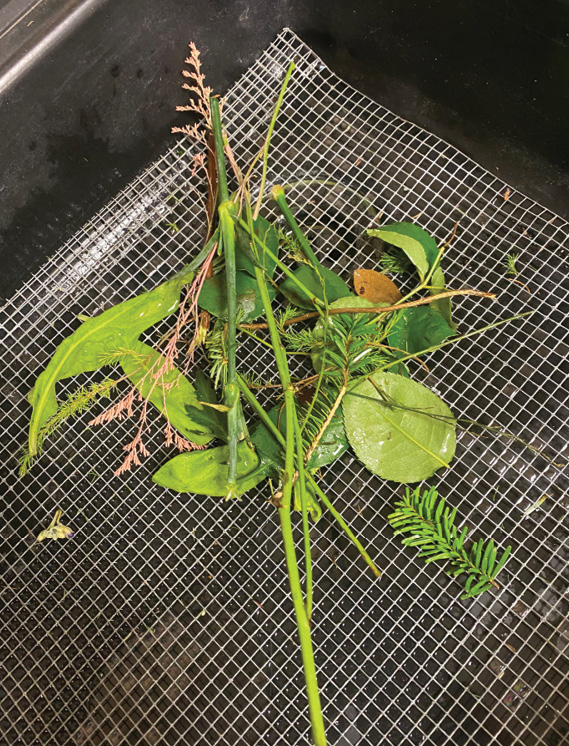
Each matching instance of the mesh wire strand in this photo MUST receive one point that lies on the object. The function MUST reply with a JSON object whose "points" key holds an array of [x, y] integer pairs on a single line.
{"points": [[167, 620]]}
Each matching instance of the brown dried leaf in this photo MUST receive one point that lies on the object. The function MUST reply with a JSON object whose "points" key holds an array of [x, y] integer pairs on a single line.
{"points": [[375, 287]]}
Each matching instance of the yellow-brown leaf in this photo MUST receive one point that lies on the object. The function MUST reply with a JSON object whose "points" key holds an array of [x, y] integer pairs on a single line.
{"points": [[375, 287]]}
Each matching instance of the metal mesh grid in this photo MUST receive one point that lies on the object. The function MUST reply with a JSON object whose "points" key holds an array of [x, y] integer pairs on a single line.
{"points": [[166, 620]]}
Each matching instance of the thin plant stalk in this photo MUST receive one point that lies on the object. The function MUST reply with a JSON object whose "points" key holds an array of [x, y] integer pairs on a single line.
{"points": [[379, 309], [251, 399], [277, 193], [284, 511], [300, 458], [453, 341], [231, 391], [268, 140]]}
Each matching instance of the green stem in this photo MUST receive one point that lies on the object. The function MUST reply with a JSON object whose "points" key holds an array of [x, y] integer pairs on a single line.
{"points": [[346, 529], [226, 211], [251, 399], [278, 195], [304, 511], [268, 139], [231, 389], [301, 612], [219, 151]]}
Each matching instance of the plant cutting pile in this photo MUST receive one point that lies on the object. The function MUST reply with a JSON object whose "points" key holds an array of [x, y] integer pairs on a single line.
{"points": [[262, 279]]}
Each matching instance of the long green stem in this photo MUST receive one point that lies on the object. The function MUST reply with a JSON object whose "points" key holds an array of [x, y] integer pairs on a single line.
{"points": [[347, 530], [251, 399], [226, 211], [302, 618], [219, 150], [268, 139], [453, 340], [304, 510], [278, 195]]}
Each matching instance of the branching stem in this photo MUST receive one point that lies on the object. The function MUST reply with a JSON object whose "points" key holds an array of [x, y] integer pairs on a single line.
{"points": [[379, 310]]}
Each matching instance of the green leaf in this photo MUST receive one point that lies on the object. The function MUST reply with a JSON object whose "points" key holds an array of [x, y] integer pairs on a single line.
{"points": [[170, 400], [417, 329], [206, 472], [421, 249], [208, 418], [395, 434], [213, 297], [419, 246], [246, 257], [117, 328], [313, 279], [502, 561]]}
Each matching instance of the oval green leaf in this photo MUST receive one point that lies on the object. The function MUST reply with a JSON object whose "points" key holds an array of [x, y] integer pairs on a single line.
{"points": [[392, 425], [421, 249], [213, 297], [206, 472], [317, 281]]}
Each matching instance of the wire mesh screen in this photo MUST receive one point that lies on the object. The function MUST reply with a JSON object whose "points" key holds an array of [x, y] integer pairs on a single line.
{"points": [[166, 619]]}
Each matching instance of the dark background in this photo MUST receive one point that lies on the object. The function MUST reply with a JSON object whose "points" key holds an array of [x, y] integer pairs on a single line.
{"points": [[88, 90]]}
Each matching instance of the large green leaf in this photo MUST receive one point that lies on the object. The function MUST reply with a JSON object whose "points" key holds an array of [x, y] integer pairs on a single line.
{"points": [[206, 472], [395, 430], [421, 249], [249, 255], [213, 297], [313, 279], [170, 394], [117, 328], [417, 329]]}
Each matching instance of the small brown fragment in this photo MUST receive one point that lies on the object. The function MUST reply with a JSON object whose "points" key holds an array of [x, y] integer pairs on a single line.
{"points": [[375, 287], [507, 194]]}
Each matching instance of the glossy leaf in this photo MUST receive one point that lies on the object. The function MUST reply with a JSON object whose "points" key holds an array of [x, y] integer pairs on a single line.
{"points": [[213, 297], [117, 328], [170, 394], [206, 472], [394, 433], [246, 257], [421, 248], [313, 279], [417, 329]]}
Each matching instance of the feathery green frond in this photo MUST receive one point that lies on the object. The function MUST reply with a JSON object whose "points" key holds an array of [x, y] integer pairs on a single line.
{"points": [[430, 525], [75, 404], [394, 260]]}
